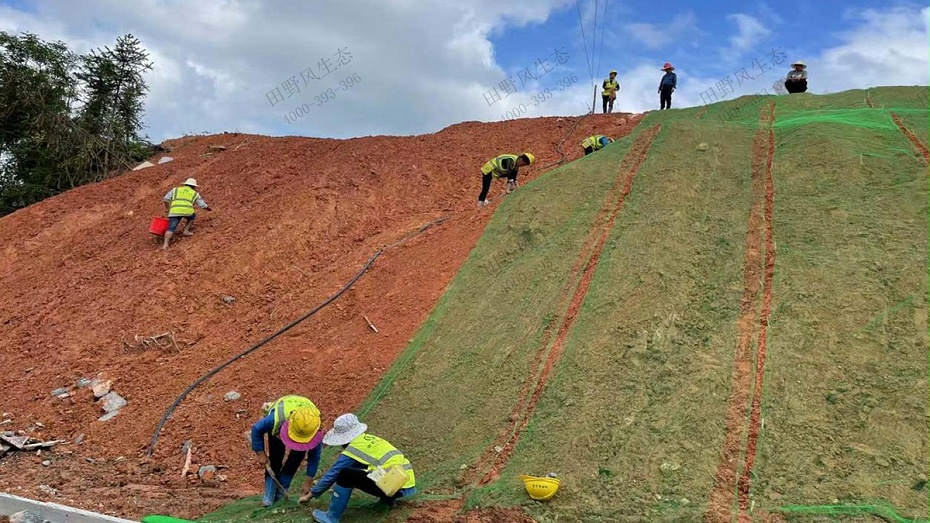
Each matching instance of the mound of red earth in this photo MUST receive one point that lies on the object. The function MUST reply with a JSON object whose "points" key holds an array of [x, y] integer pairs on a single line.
{"points": [[294, 219]]}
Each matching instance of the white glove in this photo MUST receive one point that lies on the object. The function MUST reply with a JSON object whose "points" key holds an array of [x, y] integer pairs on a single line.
{"points": [[511, 185], [482, 203]]}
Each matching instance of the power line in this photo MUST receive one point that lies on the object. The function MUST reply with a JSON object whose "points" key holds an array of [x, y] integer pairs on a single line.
{"points": [[585, 42], [603, 32], [594, 54]]}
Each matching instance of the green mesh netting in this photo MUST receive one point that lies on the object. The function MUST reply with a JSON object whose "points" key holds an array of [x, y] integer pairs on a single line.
{"points": [[885, 512], [163, 519], [878, 120]]}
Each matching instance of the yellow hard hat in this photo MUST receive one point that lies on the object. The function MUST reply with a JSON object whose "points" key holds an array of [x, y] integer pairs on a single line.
{"points": [[529, 158], [540, 489], [614, 71], [303, 424]]}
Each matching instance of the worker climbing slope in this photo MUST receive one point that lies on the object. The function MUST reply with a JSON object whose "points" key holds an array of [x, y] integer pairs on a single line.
{"points": [[363, 456], [291, 423], [595, 143], [180, 203], [503, 166]]}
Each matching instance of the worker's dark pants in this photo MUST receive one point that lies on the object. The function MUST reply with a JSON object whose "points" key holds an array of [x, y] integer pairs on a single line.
{"points": [[796, 86], [486, 186], [276, 459], [357, 478], [665, 98], [588, 150], [608, 104]]}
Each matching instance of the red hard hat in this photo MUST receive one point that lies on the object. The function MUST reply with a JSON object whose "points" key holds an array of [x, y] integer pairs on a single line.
{"points": [[667, 66]]}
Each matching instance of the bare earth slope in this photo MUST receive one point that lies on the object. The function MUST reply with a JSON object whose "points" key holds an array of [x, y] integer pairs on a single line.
{"points": [[294, 219]]}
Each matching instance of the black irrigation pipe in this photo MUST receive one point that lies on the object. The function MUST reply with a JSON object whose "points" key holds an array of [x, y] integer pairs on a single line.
{"points": [[281, 331]]}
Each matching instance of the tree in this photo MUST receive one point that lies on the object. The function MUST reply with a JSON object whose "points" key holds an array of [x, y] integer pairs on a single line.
{"points": [[67, 120]]}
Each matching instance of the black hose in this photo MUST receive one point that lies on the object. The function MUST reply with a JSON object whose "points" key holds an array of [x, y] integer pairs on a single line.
{"points": [[255, 347]]}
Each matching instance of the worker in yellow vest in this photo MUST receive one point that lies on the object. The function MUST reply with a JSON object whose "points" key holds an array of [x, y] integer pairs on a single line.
{"points": [[362, 454], [292, 424], [594, 143], [609, 90], [503, 166], [180, 203]]}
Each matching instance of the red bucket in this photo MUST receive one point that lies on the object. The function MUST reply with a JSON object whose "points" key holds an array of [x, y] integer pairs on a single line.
{"points": [[158, 226]]}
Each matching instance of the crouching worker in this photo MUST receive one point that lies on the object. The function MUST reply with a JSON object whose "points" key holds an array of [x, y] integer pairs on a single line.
{"points": [[362, 454], [503, 166], [180, 203], [292, 424], [595, 143]]}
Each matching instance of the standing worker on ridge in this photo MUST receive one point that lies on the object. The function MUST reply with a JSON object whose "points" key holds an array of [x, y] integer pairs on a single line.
{"points": [[595, 143], [609, 90], [362, 454], [667, 86], [291, 423], [180, 204], [503, 166]]}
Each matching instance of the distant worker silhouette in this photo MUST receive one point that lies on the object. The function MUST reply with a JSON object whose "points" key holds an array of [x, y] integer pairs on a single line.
{"points": [[667, 86], [609, 90], [796, 80]]}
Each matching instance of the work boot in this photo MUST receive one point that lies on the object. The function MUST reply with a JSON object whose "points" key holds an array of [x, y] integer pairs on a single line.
{"points": [[286, 483], [271, 492], [336, 507]]}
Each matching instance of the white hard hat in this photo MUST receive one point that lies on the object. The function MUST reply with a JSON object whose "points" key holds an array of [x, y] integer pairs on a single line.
{"points": [[802, 64], [190, 181]]}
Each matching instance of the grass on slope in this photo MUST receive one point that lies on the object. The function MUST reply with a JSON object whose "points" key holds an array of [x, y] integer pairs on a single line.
{"points": [[846, 378], [631, 419]]}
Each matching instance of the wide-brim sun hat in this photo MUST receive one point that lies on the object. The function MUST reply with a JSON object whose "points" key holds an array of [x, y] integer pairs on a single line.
{"points": [[668, 67], [192, 182], [289, 442], [802, 64], [346, 428]]}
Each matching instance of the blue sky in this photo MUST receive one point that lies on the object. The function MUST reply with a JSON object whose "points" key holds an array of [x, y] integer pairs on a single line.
{"points": [[427, 64]]}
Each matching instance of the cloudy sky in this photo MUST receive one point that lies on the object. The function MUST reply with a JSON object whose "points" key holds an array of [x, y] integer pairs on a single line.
{"points": [[399, 67]]}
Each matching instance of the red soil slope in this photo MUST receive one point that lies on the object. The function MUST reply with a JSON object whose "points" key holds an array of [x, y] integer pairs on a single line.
{"points": [[294, 219]]}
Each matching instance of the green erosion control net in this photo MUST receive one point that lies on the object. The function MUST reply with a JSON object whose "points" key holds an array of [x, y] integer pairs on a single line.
{"points": [[885, 512]]}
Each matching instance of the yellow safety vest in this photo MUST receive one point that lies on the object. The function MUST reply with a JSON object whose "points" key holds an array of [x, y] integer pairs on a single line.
{"points": [[494, 167], [376, 452], [593, 141], [609, 87], [284, 407], [182, 202]]}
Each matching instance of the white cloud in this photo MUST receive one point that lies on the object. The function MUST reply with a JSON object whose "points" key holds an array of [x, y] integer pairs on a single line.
{"points": [[885, 48], [750, 32], [657, 36], [423, 65]]}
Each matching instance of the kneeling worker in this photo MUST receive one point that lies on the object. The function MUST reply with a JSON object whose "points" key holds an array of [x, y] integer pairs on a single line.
{"points": [[362, 453], [595, 143], [503, 166], [292, 423]]}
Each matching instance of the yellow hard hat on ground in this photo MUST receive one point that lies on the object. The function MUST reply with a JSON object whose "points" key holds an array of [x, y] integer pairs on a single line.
{"points": [[529, 158], [540, 489], [299, 430]]}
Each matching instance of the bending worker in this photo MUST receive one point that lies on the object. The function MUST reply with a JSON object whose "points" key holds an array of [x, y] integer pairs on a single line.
{"points": [[595, 143], [503, 166], [180, 203], [609, 90], [292, 423], [362, 453]]}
